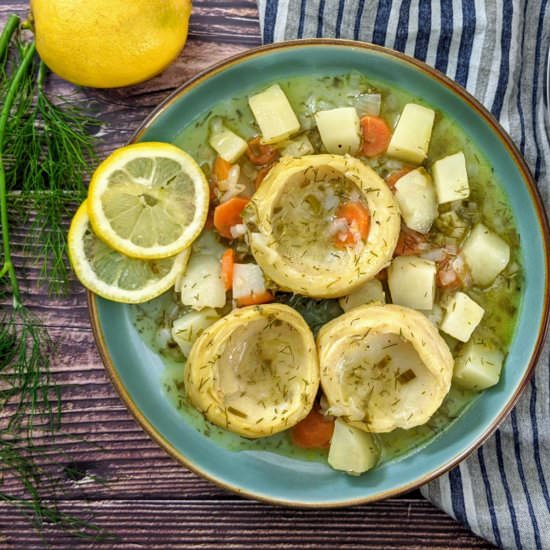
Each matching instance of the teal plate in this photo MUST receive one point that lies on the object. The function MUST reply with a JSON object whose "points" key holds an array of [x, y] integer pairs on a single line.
{"points": [[135, 370]]}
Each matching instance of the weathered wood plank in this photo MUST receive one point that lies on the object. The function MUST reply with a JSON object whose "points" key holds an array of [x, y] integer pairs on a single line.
{"points": [[243, 525]]}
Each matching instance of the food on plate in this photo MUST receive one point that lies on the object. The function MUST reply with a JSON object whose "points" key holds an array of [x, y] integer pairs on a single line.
{"points": [[352, 450], [321, 225], [148, 200], [109, 43], [383, 367], [412, 134], [254, 371], [339, 209], [113, 275]]}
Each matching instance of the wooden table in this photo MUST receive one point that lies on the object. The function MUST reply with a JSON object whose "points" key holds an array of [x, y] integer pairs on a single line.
{"points": [[108, 468]]}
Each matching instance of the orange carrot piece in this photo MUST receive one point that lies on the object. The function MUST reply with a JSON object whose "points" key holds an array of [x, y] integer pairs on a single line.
{"points": [[255, 299], [259, 153], [376, 135], [228, 214], [357, 214], [393, 177], [228, 264], [313, 432], [221, 169]]}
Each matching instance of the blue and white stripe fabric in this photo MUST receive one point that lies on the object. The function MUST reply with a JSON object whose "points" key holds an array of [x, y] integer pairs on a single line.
{"points": [[497, 50]]}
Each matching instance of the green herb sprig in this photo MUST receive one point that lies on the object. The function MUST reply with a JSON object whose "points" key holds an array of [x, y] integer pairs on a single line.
{"points": [[43, 157], [47, 153]]}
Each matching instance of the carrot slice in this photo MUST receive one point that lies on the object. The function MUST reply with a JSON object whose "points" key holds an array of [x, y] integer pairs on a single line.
{"points": [[358, 217], [228, 214], [376, 135], [259, 153], [393, 177], [228, 264], [313, 432], [221, 169], [255, 299]]}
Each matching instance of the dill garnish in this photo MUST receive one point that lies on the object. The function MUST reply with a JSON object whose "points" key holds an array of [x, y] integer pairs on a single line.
{"points": [[47, 151], [43, 155]]}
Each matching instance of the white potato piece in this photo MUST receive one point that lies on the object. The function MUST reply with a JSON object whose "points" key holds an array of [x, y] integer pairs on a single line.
{"points": [[478, 366], [415, 195], [412, 282], [371, 291], [352, 450], [486, 254], [274, 114], [190, 326], [411, 138], [462, 316], [451, 178], [248, 280], [227, 144], [339, 129], [298, 147], [202, 285]]}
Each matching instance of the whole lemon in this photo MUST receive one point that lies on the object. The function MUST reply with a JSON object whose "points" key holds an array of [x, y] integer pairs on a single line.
{"points": [[109, 43]]}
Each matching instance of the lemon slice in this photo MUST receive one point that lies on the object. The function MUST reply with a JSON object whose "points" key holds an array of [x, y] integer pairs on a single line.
{"points": [[113, 275], [148, 200]]}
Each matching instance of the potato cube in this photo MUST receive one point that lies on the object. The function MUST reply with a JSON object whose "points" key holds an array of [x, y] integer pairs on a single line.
{"points": [[188, 328], [371, 291], [248, 280], [478, 366], [274, 114], [412, 282], [415, 195], [298, 147], [486, 254], [339, 129], [227, 144], [411, 138], [462, 316], [351, 450], [450, 178], [202, 285]]}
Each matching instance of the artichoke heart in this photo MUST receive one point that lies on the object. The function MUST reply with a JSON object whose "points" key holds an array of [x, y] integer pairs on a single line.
{"points": [[383, 367], [293, 218], [255, 371]]}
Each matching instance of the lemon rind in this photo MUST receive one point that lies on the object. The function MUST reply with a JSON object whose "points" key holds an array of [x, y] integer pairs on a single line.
{"points": [[85, 275], [101, 225]]}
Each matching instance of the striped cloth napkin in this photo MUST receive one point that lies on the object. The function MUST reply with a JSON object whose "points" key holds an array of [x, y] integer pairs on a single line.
{"points": [[497, 50]]}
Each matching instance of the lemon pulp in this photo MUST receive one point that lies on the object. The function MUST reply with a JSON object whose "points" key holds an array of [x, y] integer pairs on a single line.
{"points": [[148, 200]]}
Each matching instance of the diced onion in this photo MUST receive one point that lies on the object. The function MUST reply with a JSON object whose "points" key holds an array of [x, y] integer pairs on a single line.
{"points": [[368, 104], [338, 225], [434, 254], [231, 185], [162, 338], [237, 230]]}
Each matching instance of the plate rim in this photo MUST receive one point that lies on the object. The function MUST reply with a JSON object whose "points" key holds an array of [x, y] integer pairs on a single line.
{"points": [[543, 225]]}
